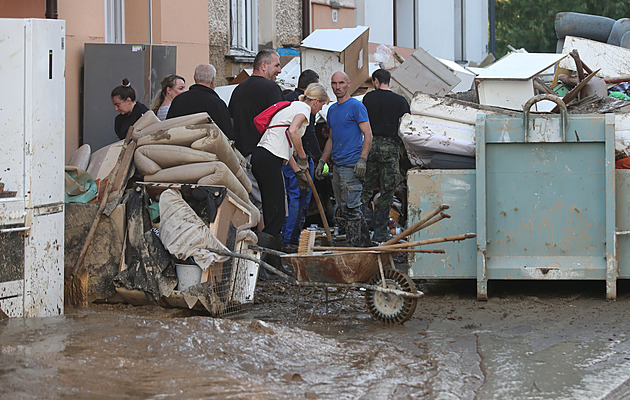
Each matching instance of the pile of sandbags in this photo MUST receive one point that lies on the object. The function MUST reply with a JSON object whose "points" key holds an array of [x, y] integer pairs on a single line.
{"points": [[189, 150]]}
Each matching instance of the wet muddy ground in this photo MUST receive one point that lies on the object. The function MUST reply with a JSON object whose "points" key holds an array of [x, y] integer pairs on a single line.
{"points": [[531, 340]]}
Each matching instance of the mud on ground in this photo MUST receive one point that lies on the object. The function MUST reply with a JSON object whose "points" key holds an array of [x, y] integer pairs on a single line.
{"points": [[530, 340]]}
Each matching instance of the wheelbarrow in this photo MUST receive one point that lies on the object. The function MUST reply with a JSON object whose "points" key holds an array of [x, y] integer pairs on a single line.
{"points": [[391, 296]]}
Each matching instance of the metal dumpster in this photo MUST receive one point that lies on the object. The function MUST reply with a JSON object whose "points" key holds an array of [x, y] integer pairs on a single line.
{"points": [[541, 201]]}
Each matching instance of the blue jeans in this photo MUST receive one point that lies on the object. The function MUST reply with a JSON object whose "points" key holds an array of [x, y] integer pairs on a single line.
{"points": [[297, 204]]}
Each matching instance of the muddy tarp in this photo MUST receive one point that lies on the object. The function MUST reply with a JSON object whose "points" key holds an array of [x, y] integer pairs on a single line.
{"points": [[150, 267]]}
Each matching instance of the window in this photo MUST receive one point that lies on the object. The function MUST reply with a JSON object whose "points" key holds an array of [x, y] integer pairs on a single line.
{"points": [[244, 27], [114, 21]]}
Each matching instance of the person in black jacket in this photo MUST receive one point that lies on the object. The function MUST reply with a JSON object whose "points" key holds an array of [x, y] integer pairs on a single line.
{"points": [[201, 97], [124, 100]]}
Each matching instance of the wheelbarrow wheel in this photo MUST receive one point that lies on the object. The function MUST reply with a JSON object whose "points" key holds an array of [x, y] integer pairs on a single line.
{"points": [[390, 308]]}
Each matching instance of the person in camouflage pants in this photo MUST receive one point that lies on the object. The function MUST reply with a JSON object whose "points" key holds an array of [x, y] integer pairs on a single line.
{"points": [[385, 108], [382, 173]]}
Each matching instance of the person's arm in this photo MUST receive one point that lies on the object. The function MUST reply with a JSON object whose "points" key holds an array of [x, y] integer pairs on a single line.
{"points": [[294, 134], [327, 149], [367, 138]]}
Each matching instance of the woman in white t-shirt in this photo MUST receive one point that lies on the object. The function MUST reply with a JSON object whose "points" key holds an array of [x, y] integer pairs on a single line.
{"points": [[280, 145]]}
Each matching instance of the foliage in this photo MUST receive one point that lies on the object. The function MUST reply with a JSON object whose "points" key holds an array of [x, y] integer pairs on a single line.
{"points": [[530, 23]]}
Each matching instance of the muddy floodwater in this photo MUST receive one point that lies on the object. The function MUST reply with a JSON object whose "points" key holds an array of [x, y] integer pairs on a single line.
{"points": [[532, 340]]}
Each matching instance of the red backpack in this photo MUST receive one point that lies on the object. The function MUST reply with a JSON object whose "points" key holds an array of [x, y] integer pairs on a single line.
{"points": [[263, 119]]}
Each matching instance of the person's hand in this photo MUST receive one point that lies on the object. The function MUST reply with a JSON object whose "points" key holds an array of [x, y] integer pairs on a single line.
{"points": [[302, 162], [360, 167], [319, 171], [302, 180]]}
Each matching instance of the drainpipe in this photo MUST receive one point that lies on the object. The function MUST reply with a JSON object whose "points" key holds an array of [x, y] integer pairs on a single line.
{"points": [[150, 22], [51, 9], [306, 18], [492, 26]]}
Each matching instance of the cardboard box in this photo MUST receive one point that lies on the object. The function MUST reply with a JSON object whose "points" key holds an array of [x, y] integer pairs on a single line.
{"points": [[327, 51]]}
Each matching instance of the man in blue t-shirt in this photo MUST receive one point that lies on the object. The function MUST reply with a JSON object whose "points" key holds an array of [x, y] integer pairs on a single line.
{"points": [[348, 144]]}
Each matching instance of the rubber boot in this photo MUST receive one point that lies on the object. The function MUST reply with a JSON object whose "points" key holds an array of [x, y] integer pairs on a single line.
{"points": [[357, 233], [381, 221], [269, 242]]}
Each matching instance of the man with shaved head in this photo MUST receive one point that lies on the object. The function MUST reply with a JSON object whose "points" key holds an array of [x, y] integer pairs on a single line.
{"points": [[348, 144]]}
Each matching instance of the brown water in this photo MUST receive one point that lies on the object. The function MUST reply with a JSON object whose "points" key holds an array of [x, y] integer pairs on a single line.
{"points": [[525, 343]]}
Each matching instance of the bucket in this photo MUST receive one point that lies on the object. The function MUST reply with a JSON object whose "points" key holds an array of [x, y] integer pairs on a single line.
{"points": [[187, 276]]}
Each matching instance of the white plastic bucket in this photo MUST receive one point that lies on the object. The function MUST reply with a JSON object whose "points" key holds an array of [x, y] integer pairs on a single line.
{"points": [[187, 276]]}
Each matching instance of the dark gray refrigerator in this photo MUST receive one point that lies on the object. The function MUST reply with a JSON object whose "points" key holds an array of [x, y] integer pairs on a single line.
{"points": [[105, 66]]}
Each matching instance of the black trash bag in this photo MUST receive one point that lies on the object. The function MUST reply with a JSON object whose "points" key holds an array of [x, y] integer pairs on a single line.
{"points": [[150, 267], [205, 201]]}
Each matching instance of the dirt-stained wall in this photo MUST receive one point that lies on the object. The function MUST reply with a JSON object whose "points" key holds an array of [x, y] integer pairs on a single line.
{"points": [[219, 36], [288, 23], [279, 24]]}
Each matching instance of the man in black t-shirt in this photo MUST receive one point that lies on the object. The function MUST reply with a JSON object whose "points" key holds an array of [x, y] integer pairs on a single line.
{"points": [[250, 98], [201, 97], [385, 108]]}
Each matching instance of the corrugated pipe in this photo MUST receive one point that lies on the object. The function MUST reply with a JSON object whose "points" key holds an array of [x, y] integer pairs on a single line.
{"points": [[51, 9]]}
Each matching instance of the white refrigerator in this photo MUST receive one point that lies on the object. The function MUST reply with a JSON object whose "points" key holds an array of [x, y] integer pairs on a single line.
{"points": [[32, 136]]}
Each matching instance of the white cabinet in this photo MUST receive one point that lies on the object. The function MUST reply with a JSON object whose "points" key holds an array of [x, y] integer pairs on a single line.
{"points": [[32, 134]]}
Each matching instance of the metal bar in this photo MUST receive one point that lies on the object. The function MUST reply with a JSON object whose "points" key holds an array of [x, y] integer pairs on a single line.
{"points": [[366, 286], [256, 260], [612, 270], [20, 229], [482, 273], [380, 270]]}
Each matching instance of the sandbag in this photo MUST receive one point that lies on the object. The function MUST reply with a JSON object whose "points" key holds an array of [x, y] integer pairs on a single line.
{"points": [[184, 234], [147, 119], [620, 28], [216, 142], [625, 41], [157, 126], [152, 158], [178, 136], [586, 26], [195, 173]]}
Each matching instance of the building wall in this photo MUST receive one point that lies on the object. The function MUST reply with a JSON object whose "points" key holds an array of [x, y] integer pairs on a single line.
{"points": [[79, 30], [288, 23], [185, 27], [279, 24], [219, 38]]}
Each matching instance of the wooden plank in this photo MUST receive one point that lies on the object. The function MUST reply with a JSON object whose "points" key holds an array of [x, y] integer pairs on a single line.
{"points": [[519, 66], [424, 73]]}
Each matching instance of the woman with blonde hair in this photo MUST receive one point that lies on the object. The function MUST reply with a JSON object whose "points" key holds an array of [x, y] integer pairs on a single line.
{"points": [[172, 85], [281, 143]]}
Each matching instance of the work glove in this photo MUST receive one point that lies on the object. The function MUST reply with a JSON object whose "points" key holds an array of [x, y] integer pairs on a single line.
{"points": [[319, 171], [360, 167], [302, 180], [301, 162]]}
